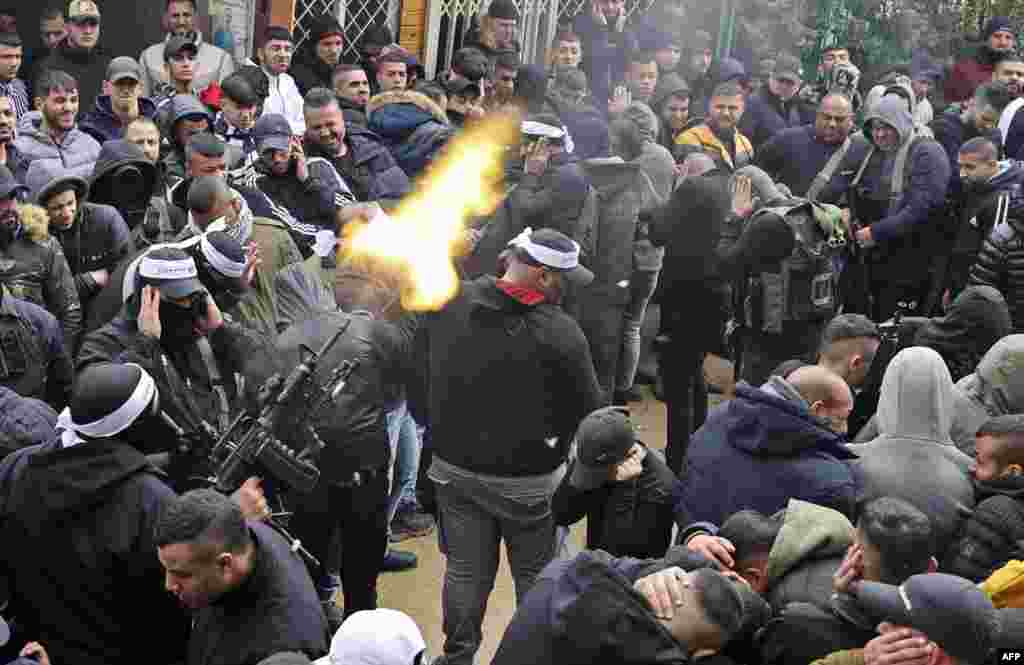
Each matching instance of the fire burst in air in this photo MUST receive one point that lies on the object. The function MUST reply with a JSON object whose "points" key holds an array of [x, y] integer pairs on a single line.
{"points": [[420, 236]]}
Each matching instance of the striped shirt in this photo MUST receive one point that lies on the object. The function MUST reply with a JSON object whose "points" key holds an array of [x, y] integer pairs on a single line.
{"points": [[17, 91]]}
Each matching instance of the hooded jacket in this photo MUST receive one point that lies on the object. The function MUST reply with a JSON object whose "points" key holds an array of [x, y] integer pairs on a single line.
{"points": [[87, 563], [88, 66], [178, 108], [213, 65], [991, 536], [36, 362], [904, 234], [1000, 263], [604, 55], [980, 208], [976, 320], [994, 389], [668, 85], [374, 175], [102, 123], [915, 415], [760, 450], [308, 70], [766, 115], [97, 239], [24, 421], [144, 210], [33, 268], [412, 126], [75, 155], [585, 610]]}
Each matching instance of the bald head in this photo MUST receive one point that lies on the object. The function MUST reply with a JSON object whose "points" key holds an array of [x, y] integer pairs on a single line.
{"points": [[826, 392]]}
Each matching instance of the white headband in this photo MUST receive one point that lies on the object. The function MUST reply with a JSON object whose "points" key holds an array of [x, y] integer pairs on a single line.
{"points": [[220, 263], [167, 269], [112, 423], [547, 255], [533, 128]]}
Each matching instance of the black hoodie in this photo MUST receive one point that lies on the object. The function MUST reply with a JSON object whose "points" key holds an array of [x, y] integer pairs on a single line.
{"points": [[992, 534], [308, 70], [85, 579]]}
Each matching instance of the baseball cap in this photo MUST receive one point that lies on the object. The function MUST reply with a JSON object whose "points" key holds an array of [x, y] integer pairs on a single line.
{"points": [[83, 9], [272, 132], [10, 187], [178, 43], [123, 67], [603, 438], [375, 637], [555, 251], [951, 611], [172, 271], [787, 67], [503, 9]]}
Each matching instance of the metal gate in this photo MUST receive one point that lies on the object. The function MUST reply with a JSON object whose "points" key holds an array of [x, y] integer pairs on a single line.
{"points": [[355, 16]]}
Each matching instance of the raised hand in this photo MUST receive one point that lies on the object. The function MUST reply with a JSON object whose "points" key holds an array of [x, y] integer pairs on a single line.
{"points": [[149, 312]]}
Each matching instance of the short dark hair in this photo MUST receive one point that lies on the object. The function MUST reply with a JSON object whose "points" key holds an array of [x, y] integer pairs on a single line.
{"points": [[722, 603], [202, 516], [751, 533], [237, 88], [982, 146], [848, 326], [10, 40], [995, 94], [394, 56], [206, 192], [1009, 429], [319, 98], [1006, 56], [640, 57], [191, 2], [276, 33], [53, 80], [471, 63], [727, 89], [52, 11], [902, 534]]}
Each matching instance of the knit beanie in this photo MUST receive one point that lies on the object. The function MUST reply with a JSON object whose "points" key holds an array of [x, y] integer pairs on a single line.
{"points": [[998, 24]]}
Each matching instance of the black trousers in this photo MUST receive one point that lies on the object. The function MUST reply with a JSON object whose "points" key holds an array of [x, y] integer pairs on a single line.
{"points": [[686, 397], [359, 514]]}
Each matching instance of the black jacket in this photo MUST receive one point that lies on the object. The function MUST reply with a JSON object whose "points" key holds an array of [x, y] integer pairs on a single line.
{"points": [[35, 362], [355, 428], [633, 518], [509, 382], [276, 609], [1000, 263], [375, 176], [353, 113], [97, 239], [584, 610], [84, 576], [306, 207], [992, 534]]}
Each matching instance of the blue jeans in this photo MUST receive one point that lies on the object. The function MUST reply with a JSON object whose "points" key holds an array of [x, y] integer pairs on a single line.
{"points": [[405, 459], [641, 287]]}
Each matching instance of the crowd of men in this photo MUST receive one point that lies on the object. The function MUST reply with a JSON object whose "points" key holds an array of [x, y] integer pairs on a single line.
{"points": [[173, 244]]}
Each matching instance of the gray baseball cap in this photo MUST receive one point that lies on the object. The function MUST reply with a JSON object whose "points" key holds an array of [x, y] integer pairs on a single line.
{"points": [[124, 67]]}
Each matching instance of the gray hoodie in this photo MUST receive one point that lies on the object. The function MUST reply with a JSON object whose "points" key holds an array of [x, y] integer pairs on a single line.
{"points": [[995, 388], [913, 457]]}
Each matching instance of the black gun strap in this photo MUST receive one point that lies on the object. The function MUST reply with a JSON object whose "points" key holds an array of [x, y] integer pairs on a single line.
{"points": [[217, 381]]}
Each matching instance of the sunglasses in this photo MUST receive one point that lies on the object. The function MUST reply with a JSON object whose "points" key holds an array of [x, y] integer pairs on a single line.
{"points": [[89, 21]]}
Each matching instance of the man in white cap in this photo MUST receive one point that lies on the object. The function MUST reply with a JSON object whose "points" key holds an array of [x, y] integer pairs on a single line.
{"points": [[376, 637]]}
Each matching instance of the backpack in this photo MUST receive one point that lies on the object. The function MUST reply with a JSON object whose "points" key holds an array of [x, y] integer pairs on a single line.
{"points": [[804, 288]]}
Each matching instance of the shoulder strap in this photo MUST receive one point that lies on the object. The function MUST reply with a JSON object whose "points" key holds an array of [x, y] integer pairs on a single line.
{"points": [[217, 381], [863, 166], [822, 179], [1006, 118]]}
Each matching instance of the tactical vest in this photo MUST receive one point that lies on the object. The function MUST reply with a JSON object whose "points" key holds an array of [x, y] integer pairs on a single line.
{"points": [[804, 288]]}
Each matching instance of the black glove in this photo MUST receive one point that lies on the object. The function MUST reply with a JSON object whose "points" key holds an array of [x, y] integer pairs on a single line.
{"points": [[766, 241]]}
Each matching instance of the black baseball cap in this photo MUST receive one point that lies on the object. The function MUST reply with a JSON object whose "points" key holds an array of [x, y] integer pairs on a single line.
{"points": [[272, 132], [603, 439], [951, 611], [9, 187], [178, 44]]}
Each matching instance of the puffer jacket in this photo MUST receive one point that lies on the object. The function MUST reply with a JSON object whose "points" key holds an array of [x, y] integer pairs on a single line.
{"points": [[915, 415], [377, 176], [35, 361], [1000, 262], [413, 128], [75, 155], [903, 231], [33, 268], [24, 421], [705, 138], [356, 430], [976, 320], [103, 125], [759, 451], [992, 534], [213, 65]]}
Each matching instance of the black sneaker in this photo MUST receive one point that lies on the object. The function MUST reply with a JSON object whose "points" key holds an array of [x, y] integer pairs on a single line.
{"points": [[411, 523], [396, 560]]}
